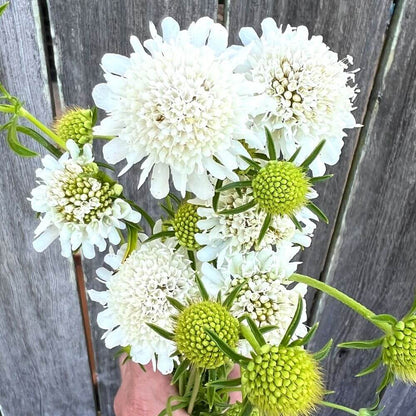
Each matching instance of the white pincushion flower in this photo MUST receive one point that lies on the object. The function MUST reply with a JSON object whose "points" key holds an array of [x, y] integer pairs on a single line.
{"points": [[223, 235], [265, 295], [181, 108], [136, 295], [307, 92], [78, 204]]}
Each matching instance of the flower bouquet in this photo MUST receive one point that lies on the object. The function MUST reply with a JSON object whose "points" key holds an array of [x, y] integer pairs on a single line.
{"points": [[232, 140]]}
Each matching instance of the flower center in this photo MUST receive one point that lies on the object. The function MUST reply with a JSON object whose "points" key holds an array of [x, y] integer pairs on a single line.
{"points": [[185, 226], [76, 125]]}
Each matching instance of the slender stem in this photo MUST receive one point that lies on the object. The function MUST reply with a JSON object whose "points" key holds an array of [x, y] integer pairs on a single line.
{"points": [[339, 407], [247, 334], [191, 380], [24, 113], [342, 297], [195, 390]]}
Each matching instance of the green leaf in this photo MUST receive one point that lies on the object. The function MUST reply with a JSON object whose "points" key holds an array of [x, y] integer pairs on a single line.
{"points": [[412, 310], [315, 152], [3, 7], [132, 233], [233, 185], [267, 328], [14, 143], [175, 303], [306, 338], [323, 353], [144, 214], [94, 115], [167, 210], [201, 287], [216, 196], [384, 318], [161, 234], [180, 370], [317, 179], [227, 350], [294, 323], [296, 222], [191, 256], [264, 228], [252, 163], [270, 145], [255, 331], [387, 379], [105, 165], [317, 211], [239, 209], [221, 384], [362, 345], [40, 139], [229, 300], [260, 156], [294, 156], [247, 408], [162, 332], [370, 369]]}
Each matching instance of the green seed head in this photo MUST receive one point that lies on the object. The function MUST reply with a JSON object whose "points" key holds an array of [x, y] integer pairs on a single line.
{"points": [[235, 410], [280, 188], [192, 340], [399, 350], [185, 226], [283, 381], [75, 124]]}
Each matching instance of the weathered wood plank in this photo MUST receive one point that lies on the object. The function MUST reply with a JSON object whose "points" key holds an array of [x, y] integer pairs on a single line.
{"points": [[342, 25], [373, 256], [82, 32], [43, 360]]}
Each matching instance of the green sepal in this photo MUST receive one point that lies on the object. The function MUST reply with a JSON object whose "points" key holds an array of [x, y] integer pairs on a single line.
{"points": [[202, 290], [267, 328], [103, 165], [239, 209], [362, 345], [94, 115], [264, 228], [3, 7], [252, 163], [315, 152], [13, 141], [221, 384], [180, 371], [124, 350], [175, 303], [162, 332], [317, 211], [370, 369], [296, 222], [317, 179], [161, 234], [270, 145], [369, 412], [229, 300], [227, 350], [41, 140], [323, 353], [295, 155], [132, 233], [143, 213], [182, 403], [384, 318], [216, 196], [293, 324], [255, 331], [167, 210], [247, 408], [387, 380], [233, 185], [306, 338], [260, 156], [412, 310]]}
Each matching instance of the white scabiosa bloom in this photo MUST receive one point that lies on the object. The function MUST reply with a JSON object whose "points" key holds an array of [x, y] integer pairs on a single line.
{"points": [[78, 204], [307, 92], [223, 235], [265, 295], [136, 295], [180, 109]]}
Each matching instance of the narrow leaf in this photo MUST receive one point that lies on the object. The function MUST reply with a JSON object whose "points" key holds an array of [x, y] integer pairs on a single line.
{"points": [[296, 222], [161, 234], [387, 379], [229, 300], [384, 318], [167, 210], [175, 303], [362, 345], [227, 350], [294, 323], [105, 165], [144, 214], [15, 145], [317, 211], [260, 156], [216, 196], [315, 152], [317, 179], [294, 156], [180, 370], [264, 228], [267, 328], [220, 384], [246, 409], [251, 162], [321, 354], [255, 331], [162, 332], [270, 145], [202, 290], [3, 7], [94, 115], [132, 233], [370, 369], [239, 209], [412, 309], [40, 139], [233, 185], [306, 338]]}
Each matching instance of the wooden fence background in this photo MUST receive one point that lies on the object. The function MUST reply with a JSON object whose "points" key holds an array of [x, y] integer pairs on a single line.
{"points": [[368, 250]]}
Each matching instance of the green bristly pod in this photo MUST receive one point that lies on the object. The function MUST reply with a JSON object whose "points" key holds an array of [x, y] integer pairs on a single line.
{"points": [[184, 225], [280, 188], [283, 381], [76, 124], [193, 341], [399, 350]]}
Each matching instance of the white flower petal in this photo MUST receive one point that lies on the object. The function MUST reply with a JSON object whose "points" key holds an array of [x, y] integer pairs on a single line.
{"points": [[115, 64], [159, 184]]}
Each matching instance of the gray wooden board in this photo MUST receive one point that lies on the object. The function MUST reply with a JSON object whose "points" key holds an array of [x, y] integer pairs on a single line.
{"points": [[353, 28], [373, 252], [82, 32], [43, 360]]}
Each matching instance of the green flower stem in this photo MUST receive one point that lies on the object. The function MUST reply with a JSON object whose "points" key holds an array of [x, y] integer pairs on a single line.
{"points": [[195, 389], [339, 407], [28, 116], [342, 297], [247, 334]]}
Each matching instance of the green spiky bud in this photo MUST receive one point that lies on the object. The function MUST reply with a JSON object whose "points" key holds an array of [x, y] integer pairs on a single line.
{"points": [[185, 226], [399, 350], [280, 188], [194, 342], [235, 410], [283, 381], [75, 124]]}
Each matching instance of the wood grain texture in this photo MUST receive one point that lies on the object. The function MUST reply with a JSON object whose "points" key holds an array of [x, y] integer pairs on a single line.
{"points": [[43, 361], [82, 32], [373, 256], [353, 28]]}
